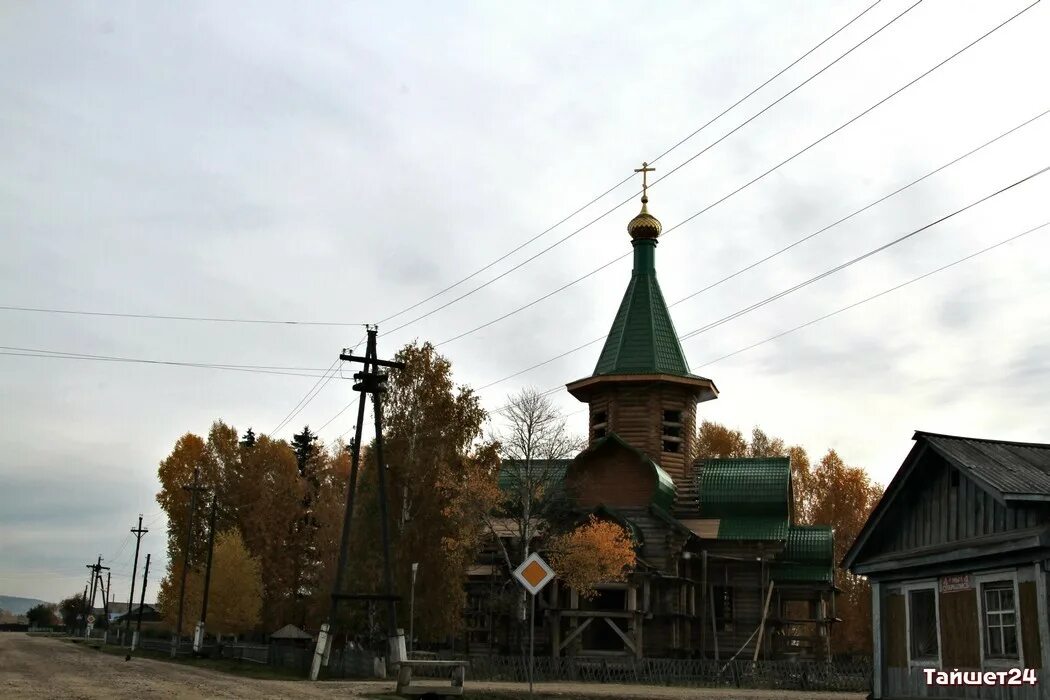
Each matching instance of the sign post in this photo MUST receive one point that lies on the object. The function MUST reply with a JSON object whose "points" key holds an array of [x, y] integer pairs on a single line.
{"points": [[533, 574]]}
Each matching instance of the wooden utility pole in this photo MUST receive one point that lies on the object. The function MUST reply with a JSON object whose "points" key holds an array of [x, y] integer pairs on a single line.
{"points": [[198, 638], [369, 381], [96, 581], [138, 532], [142, 602], [194, 488]]}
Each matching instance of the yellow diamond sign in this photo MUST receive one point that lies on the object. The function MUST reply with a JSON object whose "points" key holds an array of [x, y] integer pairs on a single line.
{"points": [[534, 573]]}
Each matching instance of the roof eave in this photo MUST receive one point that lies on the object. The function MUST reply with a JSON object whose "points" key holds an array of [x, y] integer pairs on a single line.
{"points": [[582, 388]]}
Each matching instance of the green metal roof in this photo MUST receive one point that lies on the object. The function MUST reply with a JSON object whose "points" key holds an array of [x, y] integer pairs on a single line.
{"points": [[808, 556], [642, 339], [665, 490], [752, 528], [740, 488], [552, 471]]}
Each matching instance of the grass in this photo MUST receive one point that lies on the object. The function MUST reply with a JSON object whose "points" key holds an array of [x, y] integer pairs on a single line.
{"points": [[230, 666]]}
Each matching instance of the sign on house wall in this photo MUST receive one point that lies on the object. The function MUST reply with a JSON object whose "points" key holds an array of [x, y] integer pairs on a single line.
{"points": [[958, 582]]}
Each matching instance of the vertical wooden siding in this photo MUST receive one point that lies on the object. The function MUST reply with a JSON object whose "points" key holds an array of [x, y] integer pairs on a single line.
{"points": [[934, 512], [1029, 619], [959, 634], [895, 632]]}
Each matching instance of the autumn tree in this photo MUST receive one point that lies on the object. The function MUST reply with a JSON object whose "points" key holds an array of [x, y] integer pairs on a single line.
{"points": [[716, 440], [843, 497], [599, 551], [533, 496], [234, 596], [432, 427]]}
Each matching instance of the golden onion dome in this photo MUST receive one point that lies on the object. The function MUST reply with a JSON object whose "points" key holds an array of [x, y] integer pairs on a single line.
{"points": [[645, 225]]}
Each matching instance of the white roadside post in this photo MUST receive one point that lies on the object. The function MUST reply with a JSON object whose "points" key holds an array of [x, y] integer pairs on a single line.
{"points": [[319, 652], [533, 574]]}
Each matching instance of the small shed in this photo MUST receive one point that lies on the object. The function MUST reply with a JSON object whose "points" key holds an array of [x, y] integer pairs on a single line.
{"points": [[957, 553], [292, 636]]}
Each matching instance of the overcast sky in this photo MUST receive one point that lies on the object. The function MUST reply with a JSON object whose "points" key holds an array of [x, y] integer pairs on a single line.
{"points": [[342, 161]]}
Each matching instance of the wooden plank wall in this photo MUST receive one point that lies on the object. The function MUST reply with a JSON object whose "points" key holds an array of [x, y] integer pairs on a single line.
{"points": [[1029, 619], [748, 598], [616, 478], [935, 512], [635, 413], [959, 633], [894, 632]]}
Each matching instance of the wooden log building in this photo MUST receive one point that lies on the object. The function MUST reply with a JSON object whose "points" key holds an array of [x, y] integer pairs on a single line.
{"points": [[723, 570], [957, 552]]}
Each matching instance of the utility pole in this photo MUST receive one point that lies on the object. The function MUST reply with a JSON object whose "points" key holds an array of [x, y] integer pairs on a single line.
{"points": [[96, 582], [194, 488], [370, 381], [198, 636], [142, 602], [106, 594], [138, 532]]}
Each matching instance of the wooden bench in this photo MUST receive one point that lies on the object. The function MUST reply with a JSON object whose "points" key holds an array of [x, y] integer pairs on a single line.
{"points": [[406, 687]]}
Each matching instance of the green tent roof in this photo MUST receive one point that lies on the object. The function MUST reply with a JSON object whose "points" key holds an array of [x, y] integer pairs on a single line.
{"points": [[808, 556], [642, 339], [738, 488]]}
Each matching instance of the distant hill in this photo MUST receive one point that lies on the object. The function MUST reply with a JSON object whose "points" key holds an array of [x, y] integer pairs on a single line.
{"points": [[18, 606]]}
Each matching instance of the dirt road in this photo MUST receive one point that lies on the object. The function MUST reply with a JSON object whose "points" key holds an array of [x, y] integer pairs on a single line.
{"points": [[37, 667]]}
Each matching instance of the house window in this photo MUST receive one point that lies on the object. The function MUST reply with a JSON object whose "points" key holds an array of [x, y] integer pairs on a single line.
{"points": [[723, 600], [599, 417], [922, 625], [1000, 620]]}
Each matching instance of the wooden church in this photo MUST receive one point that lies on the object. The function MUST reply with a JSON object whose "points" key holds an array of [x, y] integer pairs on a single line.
{"points": [[722, 569]]}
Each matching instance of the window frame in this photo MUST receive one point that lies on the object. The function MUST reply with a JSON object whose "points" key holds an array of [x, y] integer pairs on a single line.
{"points": [[980, 581], [908, 589]]}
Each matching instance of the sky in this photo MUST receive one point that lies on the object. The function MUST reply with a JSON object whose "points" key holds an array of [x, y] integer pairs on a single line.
{"points": [[339, 162]]}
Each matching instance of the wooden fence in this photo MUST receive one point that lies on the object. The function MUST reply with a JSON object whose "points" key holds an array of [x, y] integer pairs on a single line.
{"points": [[843, 676]]}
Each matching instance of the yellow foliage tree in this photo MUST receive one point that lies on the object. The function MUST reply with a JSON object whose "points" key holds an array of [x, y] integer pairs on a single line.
{"points": [[235, 595], [599, 551]]}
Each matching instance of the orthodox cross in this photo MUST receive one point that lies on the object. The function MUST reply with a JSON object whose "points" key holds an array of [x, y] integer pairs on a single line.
{"points": [[645, 170]]}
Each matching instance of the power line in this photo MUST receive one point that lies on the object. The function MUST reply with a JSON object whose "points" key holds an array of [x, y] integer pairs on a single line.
{"points": [[831, 271], [660, 179], [788, 247], [341, 412], [842, 309], [315, 390], [853, 261], [161, 317], [745, 185], [875, 296], [321, 382], [62, 355], [628, 178]]}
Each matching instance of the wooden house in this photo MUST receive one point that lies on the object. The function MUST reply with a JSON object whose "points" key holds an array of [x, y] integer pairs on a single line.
{"points": [[957, 552], [723, 571]]}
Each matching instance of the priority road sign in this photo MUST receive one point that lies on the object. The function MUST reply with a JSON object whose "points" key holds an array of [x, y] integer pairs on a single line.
{"points": [[91, 619], [534, 573]]}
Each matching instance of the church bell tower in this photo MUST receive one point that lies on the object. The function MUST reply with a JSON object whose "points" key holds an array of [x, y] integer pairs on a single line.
{"points": [[641, 389]]}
